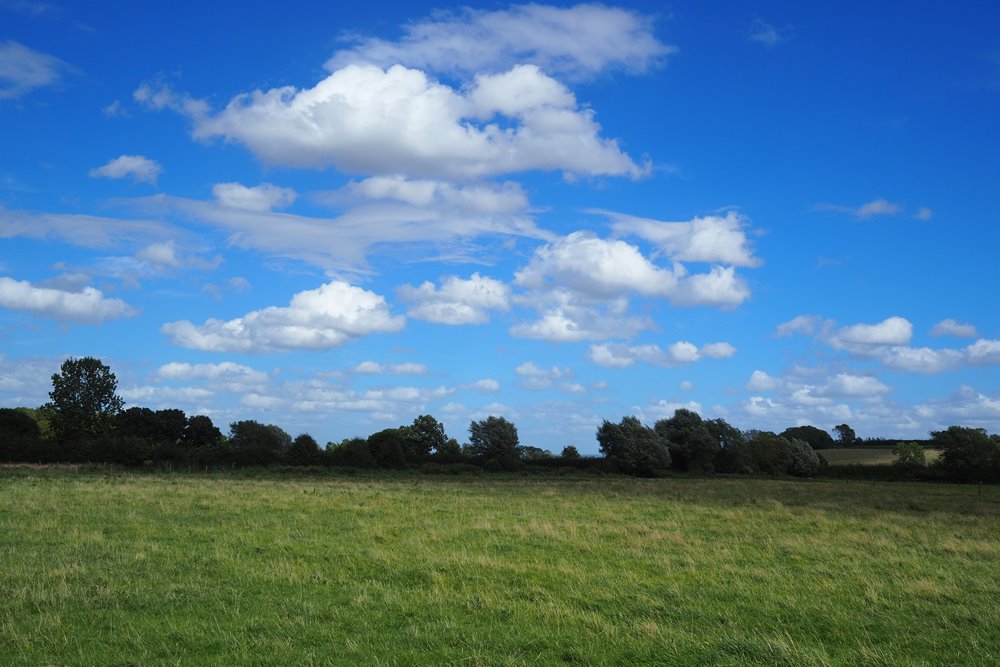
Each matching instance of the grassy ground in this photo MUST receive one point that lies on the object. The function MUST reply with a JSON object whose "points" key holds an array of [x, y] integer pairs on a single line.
{"points": [[867, 455], [111, 568]]}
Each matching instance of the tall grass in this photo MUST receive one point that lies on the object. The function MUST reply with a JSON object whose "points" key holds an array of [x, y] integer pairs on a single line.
{"points": [[99, 567]]}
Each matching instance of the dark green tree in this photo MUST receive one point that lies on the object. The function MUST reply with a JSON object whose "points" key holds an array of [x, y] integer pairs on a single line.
{"points": [[803, 461], [570, 453], [634, 448], [304, 451], [910, 458], [817, 438], [968, 454], [84, 400], [423, 436], [846, 436], [254, 443], [770, 453], [494, 439], [19, 435], [201, 432], [387, 447], [691, 444]]}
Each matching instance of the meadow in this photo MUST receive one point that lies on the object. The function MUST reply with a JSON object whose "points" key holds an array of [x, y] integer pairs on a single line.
{"points": [[104, 567]]}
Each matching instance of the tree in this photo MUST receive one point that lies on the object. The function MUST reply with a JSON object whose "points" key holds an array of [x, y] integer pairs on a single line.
{"points": [[19, 435], [968, 454], [771, 454], [84, 402], [845, 435], [494, 439], [570, 453], [803, 461], [257, 444], [304, 451], [817, 438], [201, 432], [691, 444], [424, 435], [634, 448], [910, 458], [387, 446]]}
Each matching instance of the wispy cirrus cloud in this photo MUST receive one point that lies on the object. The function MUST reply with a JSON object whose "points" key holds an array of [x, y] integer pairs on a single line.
{"points": [[23, 70]]}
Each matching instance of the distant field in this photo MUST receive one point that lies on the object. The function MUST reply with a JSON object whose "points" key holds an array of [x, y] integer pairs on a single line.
{"points": [[111, 568], [867, 455]]}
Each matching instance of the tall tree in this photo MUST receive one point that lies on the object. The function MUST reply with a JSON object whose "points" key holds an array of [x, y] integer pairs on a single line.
{"points": [[845, 435], [692, 446], [816, 438], [494, 439], [84, 402], [634, 448], [422, 436]]}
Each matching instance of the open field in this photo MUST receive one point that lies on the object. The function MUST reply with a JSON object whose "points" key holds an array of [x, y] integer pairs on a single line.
{"points": [[867, 455], [101, 567]]}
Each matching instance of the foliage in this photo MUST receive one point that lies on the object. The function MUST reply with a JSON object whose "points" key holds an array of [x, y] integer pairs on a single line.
{"points": [[692, 446], [425, 435], [530, 454], [636, 449], [771, 454], [803, 460], [494, 439], [910, 457], [968, 454], [84, 402], [816, 438], [570, 453], [846, 437], [19, 435], [254, 443], [387, 446], [201, 432], [351, 452], [304, 451]]}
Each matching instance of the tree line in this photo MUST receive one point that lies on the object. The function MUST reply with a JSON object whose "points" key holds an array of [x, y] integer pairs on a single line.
{"points": [[85, 421]]}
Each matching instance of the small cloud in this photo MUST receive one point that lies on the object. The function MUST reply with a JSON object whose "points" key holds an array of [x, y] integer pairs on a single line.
{"points": [[686, 385], [238, 284], [486, 384], [764, 33], [803, 324], [923, 213], [140, 169], [950, 327], [23, 70], [163, 254], [115, 110], [865, 211], [263, 197]]}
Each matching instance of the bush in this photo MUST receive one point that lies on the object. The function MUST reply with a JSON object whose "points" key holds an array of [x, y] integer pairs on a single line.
{"points": [[635, 449], [803, 460]]}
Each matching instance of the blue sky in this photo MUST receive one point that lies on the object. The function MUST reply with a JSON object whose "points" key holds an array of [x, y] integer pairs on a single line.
{"points": [[337, 218]]}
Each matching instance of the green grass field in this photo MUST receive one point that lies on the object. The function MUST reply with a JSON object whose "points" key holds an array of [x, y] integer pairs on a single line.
{"points": [[99, 567], [867, 455]]}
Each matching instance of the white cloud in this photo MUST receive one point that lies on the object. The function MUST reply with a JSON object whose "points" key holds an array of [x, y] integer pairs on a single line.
{"points": [[317, 319], [602, 269], [226, 375], [23, 69], [139, 168], [263, 197], [537, 379], [712, 238], [164, 254], [363, 119], [579, 41], [877, 207], [594, 266], [965, 406], [950, 327], [764, 33], [83, 230], [486, 384], [566, 316], [849, 384], [891, 331], [983, 352], [919, 359], [865, 211], [677, 354], [375, 368], [88, 305], [376, 216], [457, 301], [923, 213], [761, 381], [803, 324]]}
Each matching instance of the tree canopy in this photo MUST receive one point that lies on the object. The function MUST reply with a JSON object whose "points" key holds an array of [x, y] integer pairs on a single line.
{"points": [[84, 399]]}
